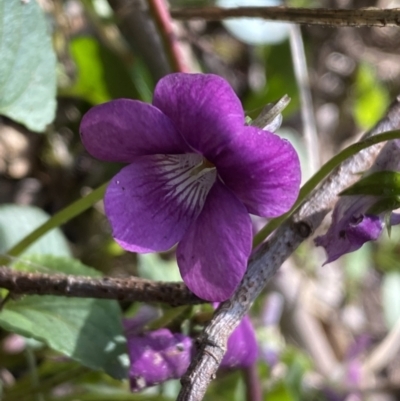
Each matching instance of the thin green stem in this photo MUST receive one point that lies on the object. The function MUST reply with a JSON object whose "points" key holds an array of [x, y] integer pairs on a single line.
{"points": [[57, 220], [31, 359], [318, 177]]}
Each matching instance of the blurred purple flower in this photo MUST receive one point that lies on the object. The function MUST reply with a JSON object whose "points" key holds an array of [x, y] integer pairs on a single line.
{"points": [[353, 372], [360, 345], [146, 314], [351, 227], [242, 348], [352, 223], [333, 394], [195, 172], [157, 356]]}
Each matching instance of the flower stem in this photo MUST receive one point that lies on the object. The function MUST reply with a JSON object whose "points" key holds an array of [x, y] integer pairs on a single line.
{"points": [[307, 110], [163, 21], [252, 380], [57, 220], [31, 360]]}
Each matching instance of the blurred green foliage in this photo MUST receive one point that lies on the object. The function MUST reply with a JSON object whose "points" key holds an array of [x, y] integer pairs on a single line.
{"points": [[371, 97], [86, 330], [17, 221], [101, 76], [280, 80]]}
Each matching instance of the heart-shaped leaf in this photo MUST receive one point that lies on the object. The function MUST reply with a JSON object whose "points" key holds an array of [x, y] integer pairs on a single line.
{"points": [[87, 330], [28, 65]]}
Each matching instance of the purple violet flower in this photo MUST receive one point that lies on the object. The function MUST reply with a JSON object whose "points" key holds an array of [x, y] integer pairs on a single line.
{"points": [[157, 356], [352, 222], [351, 227], [195, 173]]}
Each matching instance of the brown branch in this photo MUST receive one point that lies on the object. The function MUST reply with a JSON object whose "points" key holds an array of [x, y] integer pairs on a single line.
{"points": [[121, 289], [309, 16], [270, 256]]}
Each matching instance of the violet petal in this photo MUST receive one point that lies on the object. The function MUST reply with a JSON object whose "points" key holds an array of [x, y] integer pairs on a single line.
{"points": [[152, 202], [263, 170], [394, 219], [143, 316], [242, 348], [157, 356], [350, 227], [203, 107], [122, 129], [212, 256]]}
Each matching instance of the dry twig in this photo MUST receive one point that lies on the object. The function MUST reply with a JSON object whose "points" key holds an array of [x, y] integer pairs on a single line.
{"points": [[122, 289], [309, 16]]}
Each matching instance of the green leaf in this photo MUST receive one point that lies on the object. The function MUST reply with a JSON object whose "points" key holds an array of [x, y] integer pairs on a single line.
{"points": [[280, 80], [226, 387], [298, 364], [384, 205], [101, 76], [28, 65], [153, 267], [381, 183], [372, 98], [55, 264], [64, 215], [16, 221], [87, 330], [280, 392]]}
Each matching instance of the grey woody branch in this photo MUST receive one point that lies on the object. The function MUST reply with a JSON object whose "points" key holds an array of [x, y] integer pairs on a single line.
{"points": [[314, 16], [270, 256], [122, 289]]}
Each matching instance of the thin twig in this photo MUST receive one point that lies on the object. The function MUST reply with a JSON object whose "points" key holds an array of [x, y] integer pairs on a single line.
{"points": [[269, 257], [307, 110], [309, 16], [122, 289]]}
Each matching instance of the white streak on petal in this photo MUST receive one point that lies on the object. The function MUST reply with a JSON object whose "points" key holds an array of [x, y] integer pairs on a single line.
{"points": [[187, 180]]}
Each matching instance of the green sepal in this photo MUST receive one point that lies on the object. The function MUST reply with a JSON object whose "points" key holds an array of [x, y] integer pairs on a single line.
{"points": [[381, 183], [386, 204]]}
